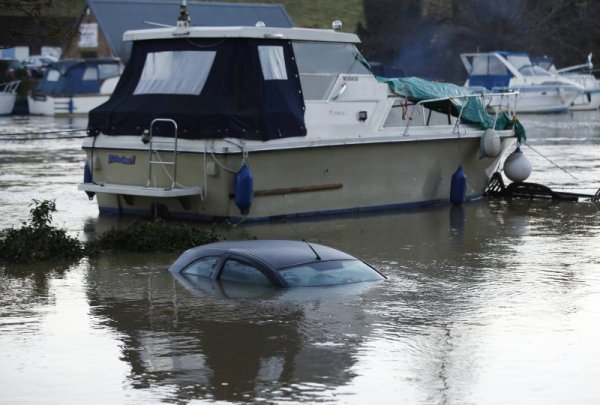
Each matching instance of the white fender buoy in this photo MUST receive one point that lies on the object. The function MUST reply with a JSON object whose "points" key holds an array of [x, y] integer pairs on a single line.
{"points": [[490, 144], [517, 167]]}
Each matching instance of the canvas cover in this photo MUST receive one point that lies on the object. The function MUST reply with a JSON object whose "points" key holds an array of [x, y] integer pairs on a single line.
{"points": [[238, 98], [470, 109], [68, 77]]}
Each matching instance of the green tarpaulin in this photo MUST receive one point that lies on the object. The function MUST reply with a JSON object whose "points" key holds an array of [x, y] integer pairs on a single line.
{"points": [[451, 99]]}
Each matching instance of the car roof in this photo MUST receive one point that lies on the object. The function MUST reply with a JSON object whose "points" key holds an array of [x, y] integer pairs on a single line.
{"points": [[278, 253]]}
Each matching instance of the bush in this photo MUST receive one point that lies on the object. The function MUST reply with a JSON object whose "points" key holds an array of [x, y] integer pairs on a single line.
{"points": [[38, 240], [150, 236]]}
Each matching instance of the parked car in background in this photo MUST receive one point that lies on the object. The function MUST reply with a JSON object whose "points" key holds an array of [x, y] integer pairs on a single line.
{"points": [[36, 65]]}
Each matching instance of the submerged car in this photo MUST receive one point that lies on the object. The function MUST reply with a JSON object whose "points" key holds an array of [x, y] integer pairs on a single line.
{"points": [[277, 263]]}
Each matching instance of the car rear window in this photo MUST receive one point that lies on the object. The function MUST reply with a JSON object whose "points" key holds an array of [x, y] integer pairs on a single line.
{"points": [[329, 272]]}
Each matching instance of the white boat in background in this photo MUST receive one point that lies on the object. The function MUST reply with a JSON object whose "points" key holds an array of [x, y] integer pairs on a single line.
{"points": [[74, 87], [540, 91], [8, 96], [255, 123], [589, 99]]}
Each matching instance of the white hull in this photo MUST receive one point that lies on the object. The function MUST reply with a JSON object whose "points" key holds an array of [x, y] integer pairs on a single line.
{"points": [[400, 172], [7, 103], [545, 99], [76, 105], [590, 100]]}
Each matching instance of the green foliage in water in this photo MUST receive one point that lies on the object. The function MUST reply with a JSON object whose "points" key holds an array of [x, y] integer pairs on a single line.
{"points": [[37, 240], [150, 236]]}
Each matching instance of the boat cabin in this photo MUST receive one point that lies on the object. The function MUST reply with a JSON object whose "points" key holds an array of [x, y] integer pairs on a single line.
{"points": [[243, 82], [494, 70], [77, 76]]}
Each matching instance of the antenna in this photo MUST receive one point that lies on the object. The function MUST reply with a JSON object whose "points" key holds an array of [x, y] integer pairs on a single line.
{"points": [[305, 241], [158, 24], [184, 17]]}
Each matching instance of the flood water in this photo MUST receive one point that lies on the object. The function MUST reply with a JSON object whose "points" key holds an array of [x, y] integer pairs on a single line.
{"points": [[492, 302]]}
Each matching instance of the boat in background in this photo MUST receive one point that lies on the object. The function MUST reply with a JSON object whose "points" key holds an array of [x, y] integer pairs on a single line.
{"points": [[74, 86], [582, 74], [257, 123], [540, 91], [8, 96]]}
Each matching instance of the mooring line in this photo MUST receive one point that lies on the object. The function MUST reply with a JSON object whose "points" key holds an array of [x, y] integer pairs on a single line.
{"points": [[40, 136], [549, 160], [58, 131]]}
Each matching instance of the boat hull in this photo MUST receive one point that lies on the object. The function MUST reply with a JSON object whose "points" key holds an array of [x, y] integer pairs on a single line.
{"points": [[7, 103], [57, 106], [545, 99], [296, 182], [589, 100]]}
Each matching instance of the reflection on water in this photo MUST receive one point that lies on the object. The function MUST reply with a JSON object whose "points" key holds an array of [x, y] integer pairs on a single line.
{"points": [[495, 301]]}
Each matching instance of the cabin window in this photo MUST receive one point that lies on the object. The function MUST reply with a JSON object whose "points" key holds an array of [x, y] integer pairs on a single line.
{"points": [[53, 75], [272, 62], [485, 65], [202, 268], [533, 71], [518, 61], [175, 72], [320, 64], [108, 70], [90, 73], [238, 272]]}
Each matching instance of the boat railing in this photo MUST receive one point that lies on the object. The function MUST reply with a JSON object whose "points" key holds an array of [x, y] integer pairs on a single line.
{"points": [[10, 87], [486, 98]]}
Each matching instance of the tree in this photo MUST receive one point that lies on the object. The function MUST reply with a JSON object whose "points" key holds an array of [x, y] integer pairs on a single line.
{"points": [[36, 21], [425, 37]]}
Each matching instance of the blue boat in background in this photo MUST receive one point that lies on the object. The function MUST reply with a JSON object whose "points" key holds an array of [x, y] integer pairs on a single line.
{"points": [[75, 86], [540, 91]]}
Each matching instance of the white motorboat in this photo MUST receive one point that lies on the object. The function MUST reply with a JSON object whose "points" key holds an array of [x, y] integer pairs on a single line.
{"points": [[213, 123], [540, 91], [74, 86], [589, 99], [8, 96]]}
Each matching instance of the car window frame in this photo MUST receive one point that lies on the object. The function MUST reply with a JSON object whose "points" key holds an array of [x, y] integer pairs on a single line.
{"points": [[269, 272]]}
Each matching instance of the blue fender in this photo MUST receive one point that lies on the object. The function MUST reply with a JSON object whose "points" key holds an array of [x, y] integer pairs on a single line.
{"points": [[458, 187], [244, 189]]}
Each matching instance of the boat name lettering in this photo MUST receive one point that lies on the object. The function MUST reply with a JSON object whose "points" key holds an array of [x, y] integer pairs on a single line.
{"points": [[334, 112], [126, 160], [350, 78]]}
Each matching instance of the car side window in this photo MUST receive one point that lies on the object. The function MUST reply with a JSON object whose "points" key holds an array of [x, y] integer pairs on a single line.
{"points": [[203, 267], [239, 272]]}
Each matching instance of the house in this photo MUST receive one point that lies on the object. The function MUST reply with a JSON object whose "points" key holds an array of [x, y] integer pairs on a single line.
{"points": [[103, 23]]}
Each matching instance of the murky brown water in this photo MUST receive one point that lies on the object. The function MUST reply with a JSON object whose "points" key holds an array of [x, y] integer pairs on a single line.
{"points": [[494, 302]]}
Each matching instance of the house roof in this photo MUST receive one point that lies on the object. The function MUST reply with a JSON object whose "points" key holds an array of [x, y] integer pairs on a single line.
{"points": [[117, 16]]}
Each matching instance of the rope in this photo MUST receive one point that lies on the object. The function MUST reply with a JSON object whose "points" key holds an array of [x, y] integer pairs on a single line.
{"points": [[548, 159], [39, 136], [43, 139], [58, 131]]}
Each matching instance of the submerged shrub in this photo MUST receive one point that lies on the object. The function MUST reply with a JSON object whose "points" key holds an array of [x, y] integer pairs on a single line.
{"points": [[37, 240], [150, 236]]}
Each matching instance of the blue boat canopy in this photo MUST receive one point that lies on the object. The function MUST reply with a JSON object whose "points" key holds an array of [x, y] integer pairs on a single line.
{"points": [[74, 76], [246, 88]]}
